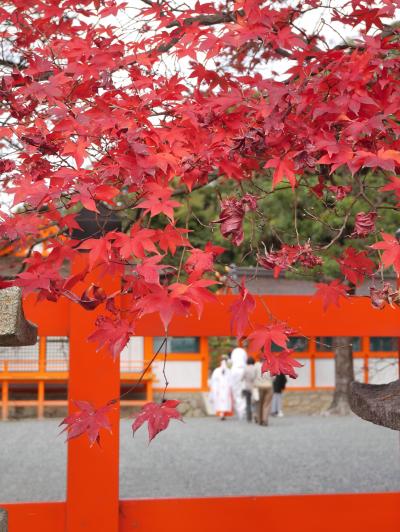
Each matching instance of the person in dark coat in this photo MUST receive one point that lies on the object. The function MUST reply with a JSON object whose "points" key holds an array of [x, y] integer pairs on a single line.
{"points": [[279, 384]]}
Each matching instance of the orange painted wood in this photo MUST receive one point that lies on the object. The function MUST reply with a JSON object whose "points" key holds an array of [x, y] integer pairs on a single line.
{"points": [[205, 362], [52, 319], [36, 517], [366, 512], [302, 513], [355, 317], [4, 401], [92, 473]]}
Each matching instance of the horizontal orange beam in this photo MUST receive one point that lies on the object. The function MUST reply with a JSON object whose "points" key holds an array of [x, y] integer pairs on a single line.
{"points": [[35, 402], [30, 376], [304, 513], [355, 317], [36, 516]]}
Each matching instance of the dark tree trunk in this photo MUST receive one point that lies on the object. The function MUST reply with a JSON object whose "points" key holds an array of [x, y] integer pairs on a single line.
{"points": [[344, 375]]}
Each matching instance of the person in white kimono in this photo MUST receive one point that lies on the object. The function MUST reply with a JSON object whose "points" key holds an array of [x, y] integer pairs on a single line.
{"points": [[221, 390], [238, 364]]}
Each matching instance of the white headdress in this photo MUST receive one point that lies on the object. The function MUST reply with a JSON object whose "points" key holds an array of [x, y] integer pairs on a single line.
{"points": [[238, 357]]}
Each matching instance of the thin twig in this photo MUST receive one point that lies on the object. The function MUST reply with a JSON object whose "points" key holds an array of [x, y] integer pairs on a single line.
{"points": [[116, 400]]}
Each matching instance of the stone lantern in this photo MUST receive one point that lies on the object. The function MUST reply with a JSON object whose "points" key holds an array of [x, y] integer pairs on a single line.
{"points": [[15, 330]]}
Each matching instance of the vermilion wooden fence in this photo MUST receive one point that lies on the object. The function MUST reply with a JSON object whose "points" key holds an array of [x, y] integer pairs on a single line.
{"points": [[302, 513], [93, 504]]}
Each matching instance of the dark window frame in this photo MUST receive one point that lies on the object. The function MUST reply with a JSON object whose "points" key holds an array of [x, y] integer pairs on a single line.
{"points": [[329, 340], [170, 345]]}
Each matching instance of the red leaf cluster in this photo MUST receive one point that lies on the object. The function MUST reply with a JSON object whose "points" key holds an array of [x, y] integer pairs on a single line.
{"points": [[157, 417], [113, 333], [384, 295], [356, 266], [278, 363], [87, 420], [364, 224], [330, 293], [241, 310], [287, 257], [92, 119], [232, 215], [391, 251], [263, 337]]}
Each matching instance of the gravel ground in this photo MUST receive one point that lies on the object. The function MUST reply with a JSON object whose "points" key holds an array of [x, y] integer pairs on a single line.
{"points": [[209, 457]]}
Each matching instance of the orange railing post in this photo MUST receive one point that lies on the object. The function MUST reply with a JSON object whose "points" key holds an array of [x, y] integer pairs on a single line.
{"points": [[4, 400], [365, 347], [311, 354], [205, 358], [92, 473], [42, 370]]}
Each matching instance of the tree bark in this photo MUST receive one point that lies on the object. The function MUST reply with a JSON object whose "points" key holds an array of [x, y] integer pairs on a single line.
{"points": [[344, 375]]}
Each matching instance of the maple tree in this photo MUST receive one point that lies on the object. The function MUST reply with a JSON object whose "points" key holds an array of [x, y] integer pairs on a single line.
{"points": [[128, 108]]}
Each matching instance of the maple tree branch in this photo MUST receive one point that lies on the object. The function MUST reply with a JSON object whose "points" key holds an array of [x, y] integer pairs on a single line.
{"points": [[183, 190], [343, 227], [164, 366], [39, 241], [166, 47], [204, 20], [146, 369], [11, 64]]}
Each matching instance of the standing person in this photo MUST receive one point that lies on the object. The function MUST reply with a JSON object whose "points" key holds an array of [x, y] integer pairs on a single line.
{"points": [[279, 385], [238, 361], [263, 383], [249, 377], [221, 389]]}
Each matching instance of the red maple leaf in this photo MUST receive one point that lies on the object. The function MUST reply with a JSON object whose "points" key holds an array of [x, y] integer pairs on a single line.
{"points": [[393, 185], [355, 266], [113, 333], [32, 193], [340, 191], [391, 251], [171, 237], [87, 420], [385, 159], [241, 309], [263, 337], [283, 168], [278, 363], [198, 262], [77, 150], [364, 224], [195, 293], [158, 201], [330, 293], [32, 281], [165, 303], [105, 193], [157, 416], [99, 250], [136, 243], [201, 261], [149, 269], [85, 195], [231, 220]]}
